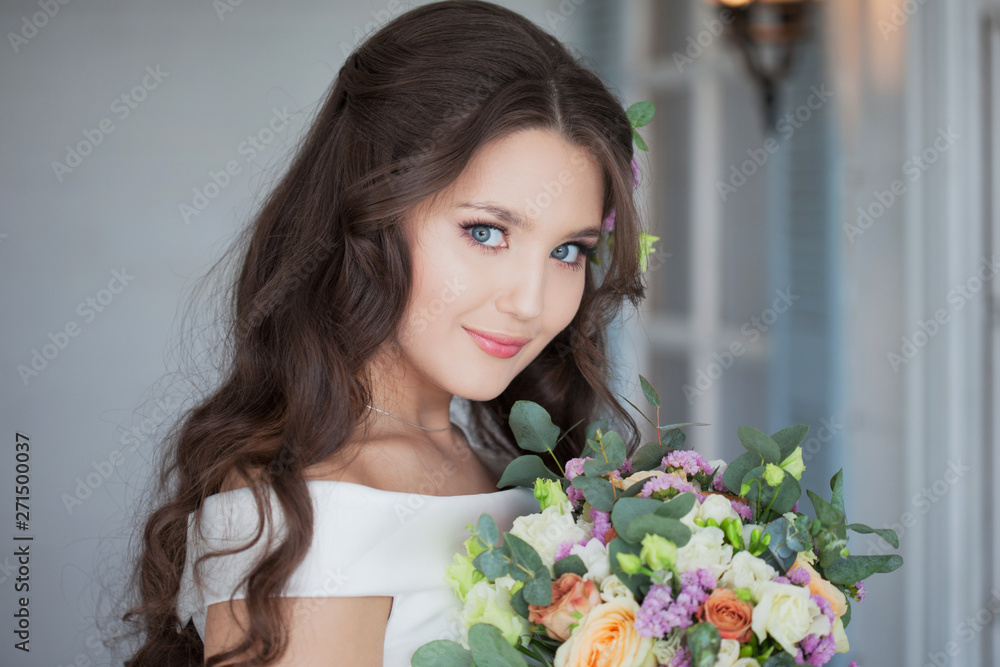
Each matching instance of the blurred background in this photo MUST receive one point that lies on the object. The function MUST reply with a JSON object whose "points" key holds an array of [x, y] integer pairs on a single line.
{"points": [[820, 175]]}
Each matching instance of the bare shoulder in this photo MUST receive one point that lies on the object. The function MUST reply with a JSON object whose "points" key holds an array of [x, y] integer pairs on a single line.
{"points": [[351, 628]]}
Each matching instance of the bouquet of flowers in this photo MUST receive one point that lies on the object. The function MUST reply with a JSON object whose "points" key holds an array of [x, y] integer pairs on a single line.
{"points": [[659, 559]]}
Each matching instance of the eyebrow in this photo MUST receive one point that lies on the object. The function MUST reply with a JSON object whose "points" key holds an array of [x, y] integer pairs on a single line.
{"points": [[516, 220]]}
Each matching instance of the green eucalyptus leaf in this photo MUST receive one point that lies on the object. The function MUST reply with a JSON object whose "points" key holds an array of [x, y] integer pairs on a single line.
{"points": [[638, 141], [678, 427], [518, 603], [760, 443], [846, 618], [825, 512], [640, 113], [491, 563], [487, 529], [779, 553], [594, 425], [703, 640], [671, 529], [781, 499], [538, 589], [614, 448], [852, 569], [490, 649], [532, 427], [780, 659], [790, 438], [522, 553], [647, 390], [597, 491], [649, 456], [442, 653], [627, 509], [737, 470], [524, 470], [572, 564], [887, 534], [677, 507], [837, 486], [596, 468]]}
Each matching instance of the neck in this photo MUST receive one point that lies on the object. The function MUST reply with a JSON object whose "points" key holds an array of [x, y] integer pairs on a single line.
{"points": [[408, 395]]}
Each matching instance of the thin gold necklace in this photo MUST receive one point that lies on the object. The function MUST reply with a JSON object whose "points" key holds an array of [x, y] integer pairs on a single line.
{"points": [[410, 423]]}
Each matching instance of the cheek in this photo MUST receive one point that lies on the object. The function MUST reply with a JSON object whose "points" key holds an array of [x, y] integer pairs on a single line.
{"points": [[440, 282]]}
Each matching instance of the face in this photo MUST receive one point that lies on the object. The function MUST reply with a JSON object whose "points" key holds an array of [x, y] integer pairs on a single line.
{"points": [[501, 253]]}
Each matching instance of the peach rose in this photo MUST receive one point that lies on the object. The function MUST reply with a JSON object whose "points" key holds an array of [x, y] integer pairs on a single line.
{"points": [[570, 594], [728, 613], [821, 587], [607, 636]]}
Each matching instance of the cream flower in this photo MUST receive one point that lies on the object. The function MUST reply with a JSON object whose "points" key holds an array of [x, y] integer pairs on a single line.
{"points": [[595, 557], [788, 613], [612, 587], [607, 636], [705, 549], [666, 649], [716, 507], [747, 571], [729, 653], [546, 530], [490, 603]]}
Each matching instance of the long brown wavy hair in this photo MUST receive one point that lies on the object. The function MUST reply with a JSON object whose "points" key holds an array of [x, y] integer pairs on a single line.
{"points": [[324, 278]]}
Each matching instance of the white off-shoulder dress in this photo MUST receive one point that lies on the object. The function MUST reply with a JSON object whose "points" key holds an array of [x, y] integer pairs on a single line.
{"points": [[366, 542]]}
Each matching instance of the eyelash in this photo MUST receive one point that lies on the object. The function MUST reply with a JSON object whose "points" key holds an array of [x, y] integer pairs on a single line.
{"points": [[586, 250]]}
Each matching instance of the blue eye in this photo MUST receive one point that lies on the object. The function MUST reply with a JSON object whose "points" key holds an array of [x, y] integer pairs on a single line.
{"points": [[567, 252], [484, 233]]}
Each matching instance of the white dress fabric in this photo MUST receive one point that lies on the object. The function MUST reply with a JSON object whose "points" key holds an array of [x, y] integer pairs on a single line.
{"points": [[366, 542]]}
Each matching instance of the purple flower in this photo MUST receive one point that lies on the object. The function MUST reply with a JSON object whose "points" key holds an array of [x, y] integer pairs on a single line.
{"points": [[574, 467], [682, 658], [602, 523], [626, 468], [664, 483], [816, 651], [563, 549], [688, 460], [862, 591], [575, 496], [795, 507], [742, 509], [799, 577], [660, 613]]}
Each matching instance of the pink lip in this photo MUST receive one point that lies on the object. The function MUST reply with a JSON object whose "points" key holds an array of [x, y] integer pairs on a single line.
{"points": [[497, 345]]}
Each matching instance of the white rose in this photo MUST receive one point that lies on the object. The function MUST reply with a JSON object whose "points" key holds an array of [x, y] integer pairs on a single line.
{"points": [[729, 653], [666, 649], [612, 587], [595, 557], [717, 507], [546, 530], [788, 613], [747, 571], [705, 549], [693, 513], [746, 662]]}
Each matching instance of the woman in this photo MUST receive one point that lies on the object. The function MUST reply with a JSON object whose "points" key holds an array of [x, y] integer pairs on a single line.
{"points": [[429, 241]]}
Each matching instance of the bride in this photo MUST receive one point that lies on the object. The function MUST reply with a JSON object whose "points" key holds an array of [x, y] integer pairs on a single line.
{"points": [[429, 242]]}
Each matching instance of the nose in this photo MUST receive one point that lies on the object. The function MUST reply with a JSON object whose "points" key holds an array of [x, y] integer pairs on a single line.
{"points": [[522, 290]]}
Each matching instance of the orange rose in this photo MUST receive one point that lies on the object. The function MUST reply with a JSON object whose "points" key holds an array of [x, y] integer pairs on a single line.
{"points": [[821, 587], [570, 594], [607, 636], [728, 613]]}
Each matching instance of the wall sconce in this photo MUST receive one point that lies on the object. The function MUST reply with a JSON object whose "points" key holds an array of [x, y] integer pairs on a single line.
{"points": [[766, 32]]}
